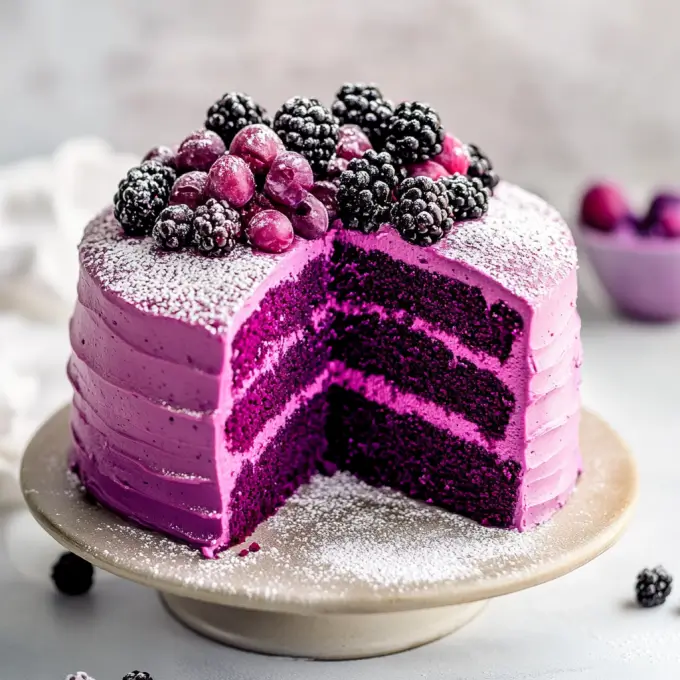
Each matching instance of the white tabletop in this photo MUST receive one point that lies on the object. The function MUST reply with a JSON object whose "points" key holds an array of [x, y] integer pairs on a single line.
{"points": [[584, 625]]}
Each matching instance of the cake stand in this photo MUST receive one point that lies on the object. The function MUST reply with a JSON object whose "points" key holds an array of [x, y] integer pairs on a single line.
{"points": [[343, 570]]}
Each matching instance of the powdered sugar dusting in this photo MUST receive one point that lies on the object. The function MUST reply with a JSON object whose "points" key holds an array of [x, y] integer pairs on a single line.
{"points": [[333, 535], [522, 243], [186, 286]]}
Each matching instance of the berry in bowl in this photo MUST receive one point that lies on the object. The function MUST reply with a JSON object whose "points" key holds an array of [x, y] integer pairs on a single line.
{"points": [[636, 258]]}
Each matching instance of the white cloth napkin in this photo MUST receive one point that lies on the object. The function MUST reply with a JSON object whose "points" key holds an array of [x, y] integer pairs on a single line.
{"points": [[44, 206]]}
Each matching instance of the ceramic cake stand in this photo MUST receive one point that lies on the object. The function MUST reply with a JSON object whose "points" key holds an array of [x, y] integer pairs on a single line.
{"points": [[343, 570]]}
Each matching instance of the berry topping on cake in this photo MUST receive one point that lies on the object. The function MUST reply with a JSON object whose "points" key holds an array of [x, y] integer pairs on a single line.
{"points": [[468, 199], [414, 133], [258, 145], [307, 127], [161, 154], [309, 218], [257, 204], [231, 113], [604, 206], [365, 191], [363, 105], [217, 227], [352, 142], [422, 214], [137, 675], [141, 196], [289, 179], [327, 193], [173, 228], [653, 586], [427, 169], [481, 167], [230, 179], [72, 575], [199, 151], [270, 231], [454, 156], [336, 167], [189, 189]]}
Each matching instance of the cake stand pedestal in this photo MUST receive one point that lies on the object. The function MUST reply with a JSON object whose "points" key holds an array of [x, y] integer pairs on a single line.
{"points": [[344, 571]]}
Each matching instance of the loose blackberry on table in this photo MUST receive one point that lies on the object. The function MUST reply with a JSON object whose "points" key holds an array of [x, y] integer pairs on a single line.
{"points": [[72, 575], [365, 190], [310, 129], [232, 112], [217, 227], [414, 133], [173, 229], [482, 168], [141, 196], [468, 199], [137, 675], [364, 105], [653, 586], [422, 214]]}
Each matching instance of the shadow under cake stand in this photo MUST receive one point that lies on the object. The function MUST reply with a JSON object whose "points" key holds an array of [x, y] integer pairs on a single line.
{"points": [[344, 570]]}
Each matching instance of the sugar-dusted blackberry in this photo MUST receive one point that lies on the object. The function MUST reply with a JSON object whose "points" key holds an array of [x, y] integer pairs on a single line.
{"points": [[137, 675], [364, 105], [414, 133], [141, 196], [310, 129], [72, 575], [80, 675], [422, 214], [653, 586], [217, 227], [468, 199], [366, 189], [231, 113], [173, 228], [482, 168]]}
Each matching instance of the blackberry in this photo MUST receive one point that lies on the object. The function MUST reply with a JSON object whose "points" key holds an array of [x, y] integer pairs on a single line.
{"points": [[231, 113], [72, 575], [365, 190], [468, 199], [481, 167], [217, 227], [137, 675], [422, 214], [365, 106], [310, 129], [414, 133], [141, 196], [173, 228], [653, 587], [80, 675]]}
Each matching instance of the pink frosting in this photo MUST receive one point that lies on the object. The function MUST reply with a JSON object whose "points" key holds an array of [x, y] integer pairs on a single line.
{"points": [[152, 340]]}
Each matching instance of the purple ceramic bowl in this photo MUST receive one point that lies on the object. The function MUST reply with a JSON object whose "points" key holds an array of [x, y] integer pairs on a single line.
{"points": [[641, 274]]}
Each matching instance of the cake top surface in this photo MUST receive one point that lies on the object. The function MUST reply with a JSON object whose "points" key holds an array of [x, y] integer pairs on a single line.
{"points": [[522, 243]]}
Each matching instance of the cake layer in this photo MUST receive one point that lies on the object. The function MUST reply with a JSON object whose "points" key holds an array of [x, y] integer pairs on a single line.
{"points": [[405, 452], [298, 368], [288, 307], [289, 459], [360, 276], [417, 363]]}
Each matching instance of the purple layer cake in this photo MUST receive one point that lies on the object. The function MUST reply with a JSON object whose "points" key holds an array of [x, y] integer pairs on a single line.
{"points": [[208, 389]]}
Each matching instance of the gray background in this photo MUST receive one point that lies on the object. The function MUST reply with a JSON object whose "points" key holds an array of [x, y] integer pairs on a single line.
{"points": [[556, 91]]}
